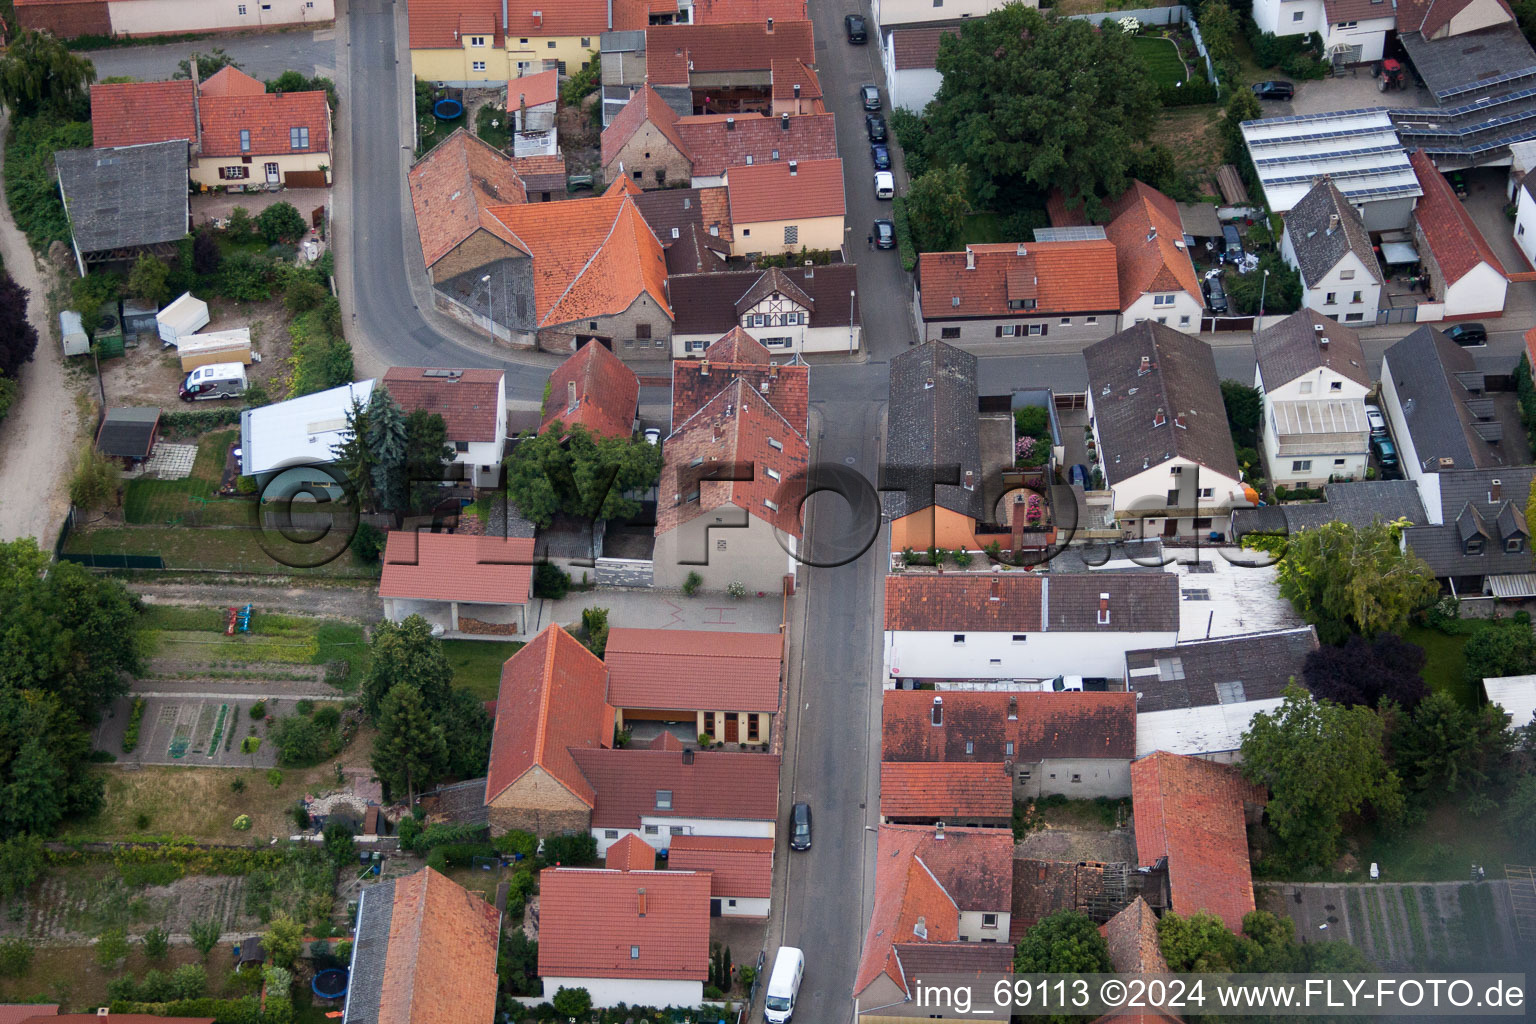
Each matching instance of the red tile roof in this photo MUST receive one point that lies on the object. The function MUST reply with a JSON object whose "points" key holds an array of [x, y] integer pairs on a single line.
{"points": [[566, 18], [715, 784], [1000, 602], [665, 741], [736, 427], [1149, 262], [591, 921], [1192, 812], [607, 393], [644, 107], [777, 191], [15, 1013], [231, 81], [696, 381], [741, 868], [439, 24], [550, 702], [544, 173], [1132, 939], [956, 791], [918, 48], [630, 853], [697, 670], [441, 960], [452, 189], [134, 113], [1530, 345], [1454, 239], [1041, 726], [719, 12], [1430, 16], [1061, 277], [717, 142], [457, 567], [536, 90], [468, 401], [117, 1018], [672, 51], [268, 117], [786, 74]]}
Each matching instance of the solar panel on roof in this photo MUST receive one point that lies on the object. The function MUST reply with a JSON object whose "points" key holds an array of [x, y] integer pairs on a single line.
{"points": [[1072, 233]]}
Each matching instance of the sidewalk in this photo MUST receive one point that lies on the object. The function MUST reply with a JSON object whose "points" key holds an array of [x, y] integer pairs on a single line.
{"points": [[663, 609]]}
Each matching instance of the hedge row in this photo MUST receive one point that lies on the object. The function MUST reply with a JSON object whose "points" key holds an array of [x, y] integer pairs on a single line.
{"points": [[131, 734], [196, 421], [245, 1010], [904, 245]]}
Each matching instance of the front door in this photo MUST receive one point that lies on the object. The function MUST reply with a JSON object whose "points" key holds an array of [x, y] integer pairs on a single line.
{"points": [[273, 178], [714, 908], [1170, 528], [731, 733]]}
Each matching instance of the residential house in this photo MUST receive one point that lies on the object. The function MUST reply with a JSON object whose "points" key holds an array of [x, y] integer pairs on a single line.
{"points": [[426, 950], [796, 88], [790, 311], [1442, 417], [1465, 274], [473, 405], [531, 101], [129, 433], [642, 142], [595, 389], [636, 937], [21, 1013], [1191, 830], [1326, 241], [1074, 744], [727, 68], [1157, 279], [138, 113], [1353, 31], [711, 521], [911, 60], [475, 43], [672, 212], [69, 19], [1021, 626], [1516, 696], [248, 137], [889, 13], [1359, 149], [931, 428], [740, 871], [718, 142], [996, 298], [125, 202], [1313, 375], [723, 684], [1525, 216], [1160, 427], [475, 585], [1131, 936], [935, 889], [981, 962], [1477, 539], [1211, 732], [299, 433], [786, 386], [543, 177], [786, 207], [976, 795]]}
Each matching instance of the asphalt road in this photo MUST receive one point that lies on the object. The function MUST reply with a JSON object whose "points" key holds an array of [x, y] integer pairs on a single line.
{"points": [[262, 56]]}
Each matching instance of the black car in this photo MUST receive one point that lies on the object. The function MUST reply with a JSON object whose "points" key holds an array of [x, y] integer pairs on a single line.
{"points": [[800, 827], [874, 124], [871, 96], [885, 234], [1274, 90], [1215, 294], [881, 156], [1468, 334], [856, 32]]}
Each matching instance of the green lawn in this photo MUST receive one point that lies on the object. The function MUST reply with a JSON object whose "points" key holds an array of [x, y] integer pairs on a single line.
{"points": [[231, 549], [1442, 849], [477, 664], [280, 639], [1162, 59], [984, 228], [192, 501], [1445, 662]]}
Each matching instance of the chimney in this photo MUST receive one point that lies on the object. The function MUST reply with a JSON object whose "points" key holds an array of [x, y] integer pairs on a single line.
{"points": [[970, 259], [1146, 366], [794, 168], [770, 26], [704, 368], [1152, 233], [784, 118], [969, 480], [996, 594], [1333, 223], [1322, 341], [1178, 421], [938, 830], [1021, 251], [641, 896], [570, 396], [936, 714], [797, 90], [1103, 609], [730, 124], [1495, 491], [920, 929], [1159, 418]]}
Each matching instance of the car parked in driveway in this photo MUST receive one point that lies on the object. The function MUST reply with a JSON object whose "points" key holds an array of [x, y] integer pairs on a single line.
{"points": [[1378, 422], [885, 234], [881, 156], [1468, 334], [1215, 294], [1274, 90], [857, 34], [1386, 454], [874, 124], [870, 94]]}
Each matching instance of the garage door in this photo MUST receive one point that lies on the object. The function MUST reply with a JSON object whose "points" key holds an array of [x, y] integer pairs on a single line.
{"points": [[304, 179]]}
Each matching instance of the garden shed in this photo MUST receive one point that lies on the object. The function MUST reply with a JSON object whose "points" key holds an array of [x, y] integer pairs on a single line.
{"points": [[129, 433]]}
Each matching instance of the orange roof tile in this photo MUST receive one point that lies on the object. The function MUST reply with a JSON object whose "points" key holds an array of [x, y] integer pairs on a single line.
{"points": [[631, 853], [1132, 939], [1191, 811], [551, 700], [231, 81], [719, 12], [452, 188], [268, 118], [438, 24], [701, 670], [1453, 236], [440, 964], [716, 142], [457, 567], [786, 386], [134, 113], [1149, 245], [15, 1013], [645, 107], [535, 90], [734, 46], [786, 190], [606, 393], [542, 19], [786, 74], [724, 785], [1061, 277], [953, 791], [740, 868], [468, 401], [736, 427], [623, 924], [979, 726]]}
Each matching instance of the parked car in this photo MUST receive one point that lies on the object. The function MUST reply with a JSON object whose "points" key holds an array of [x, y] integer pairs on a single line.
{"points": [[870, 94], [874, 124], [881, 156], [1078, 476], [1274, 90], [857, 34], [1386, 454], [800, 826], [1468, 334], [1377, 421], [885, 234], [1231, 244], [885, 185], [216, 380], [1215, 294]]}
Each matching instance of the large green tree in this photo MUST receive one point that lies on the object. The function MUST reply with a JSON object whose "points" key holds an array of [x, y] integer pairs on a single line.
{"points": [[410, 752], [1501, 649], [1345, 580], [1442, 749], [565, 470], [1066, 942], [1051, 102], [39, 74], [427, 451], [937, 203], [406, 653], [1321, 762]]}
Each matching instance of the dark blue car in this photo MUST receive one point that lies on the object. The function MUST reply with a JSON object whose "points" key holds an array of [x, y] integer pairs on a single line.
{"points": [[882, 157]]}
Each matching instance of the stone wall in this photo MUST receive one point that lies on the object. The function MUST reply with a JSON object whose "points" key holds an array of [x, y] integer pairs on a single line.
{"points": [[539, 822]]}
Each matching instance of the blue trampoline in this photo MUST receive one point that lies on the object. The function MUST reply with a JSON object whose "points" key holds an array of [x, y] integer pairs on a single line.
{"points": [[330, 983], [448, 109]]}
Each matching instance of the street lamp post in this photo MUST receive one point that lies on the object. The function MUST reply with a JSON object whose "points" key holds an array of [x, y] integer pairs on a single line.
{"points": [[490, 303], [851, 294], [1263, 286]]}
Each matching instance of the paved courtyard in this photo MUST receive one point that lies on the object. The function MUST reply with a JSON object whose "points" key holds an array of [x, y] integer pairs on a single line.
{"points": [[664, 609], [168, 462]]}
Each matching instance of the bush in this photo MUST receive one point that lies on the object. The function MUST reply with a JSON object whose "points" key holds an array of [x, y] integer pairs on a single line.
{"points": [[328, 716], [572, 1002], [302, 742], [29, 175], [300, 815], [281, 222], [444, 835], [570, 851], [131, 734], [1192, 92], [692, 584], [409, 833], [344, 951], [15, 957], [259, 710], [223, 1011], [515, 842], [111, 946], [189, 981], [367, 543], [237, 784], [95, 480], [283, 942], [437, 860], [321, 356], [906, 249], [157, 944], [274, 778], [550, 581], [205, 935], [242, 823]]}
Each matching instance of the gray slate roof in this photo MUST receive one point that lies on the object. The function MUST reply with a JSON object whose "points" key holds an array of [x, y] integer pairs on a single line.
{"points": [[1180, 380], [1261, 663], [1293, 347], [369, 950], [1359, 504], [932, 427], [127, 196], [1318, 244], [1139, 602], [1472, 491], [1442, 395], [128, 432]]}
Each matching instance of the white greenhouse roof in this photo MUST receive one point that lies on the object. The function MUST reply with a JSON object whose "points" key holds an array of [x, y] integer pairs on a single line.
{"points": [[300, 431], [1208, 729], [1358, 149], [1515, 694]]}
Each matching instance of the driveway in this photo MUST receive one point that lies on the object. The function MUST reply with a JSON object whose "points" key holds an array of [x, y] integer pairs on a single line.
{"points": [[262, 55], [1485, 202]]}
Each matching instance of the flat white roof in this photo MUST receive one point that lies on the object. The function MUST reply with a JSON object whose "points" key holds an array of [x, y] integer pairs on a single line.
{"points": [[1217, 598], [1207, 729], [1515, 694], [299, 431], [1320, 416], [1358, 149]]}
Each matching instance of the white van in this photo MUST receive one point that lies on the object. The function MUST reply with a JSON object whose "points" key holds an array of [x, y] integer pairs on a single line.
{"points": [[885, 185], [216, 380], [784, 984]]}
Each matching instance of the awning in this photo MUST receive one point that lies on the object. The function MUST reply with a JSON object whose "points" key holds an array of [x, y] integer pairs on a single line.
{"points": [[1522, 584], [1399, 252]]}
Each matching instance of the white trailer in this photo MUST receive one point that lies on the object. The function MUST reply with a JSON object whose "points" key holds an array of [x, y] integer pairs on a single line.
{"points": [[232, 346], [76, 341], [187, 315]]}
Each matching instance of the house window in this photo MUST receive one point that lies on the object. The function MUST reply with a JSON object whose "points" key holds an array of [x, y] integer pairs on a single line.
{"points": [[1021, 303], [663, 799], [775, 443], [1195, 594], [461, 446], [1008, 748], [586, 44], [477, 40], [1162, 320], [652, 830], [240, 9], [642, 330], [1305, 387], [936, 712], [523, 41], [1331, 299], [1036, 330], [1514, 544], [1162, 300], [478, 65], [245, 140], [757, 320], [791, 234], [1170, 669], [949, 332], [772, 505], [720, 544], [1338, 462], [1077, 778], [1066, 321], [1183, 321], [1357, 297], [1206, 492], [1091, 320], [695, 346], [1301, 466], [1348, 24], [1230, 693], [987, 920], [1020, 638], [1475, 546], [550, 44], [1173, 498], [636, 174], [970, 747], [773, 474], [1007, 330], [752, 731], [610, 833], [1353, 317], [1336, 385], [1023, 776], [1298, 15], [1346, 275], [234, 173], [677, 830], [959, 639], [298, 138]]}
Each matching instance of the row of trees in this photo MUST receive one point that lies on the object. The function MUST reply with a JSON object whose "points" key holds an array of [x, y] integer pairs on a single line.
{"points": [[394, 460]]}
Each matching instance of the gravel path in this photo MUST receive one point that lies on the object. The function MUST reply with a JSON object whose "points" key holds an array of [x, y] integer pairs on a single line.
{"points": [[355, 603], [38, 436]]}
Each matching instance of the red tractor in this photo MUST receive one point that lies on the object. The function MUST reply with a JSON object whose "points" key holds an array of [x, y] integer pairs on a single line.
{"points": [[1390, 75]]}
